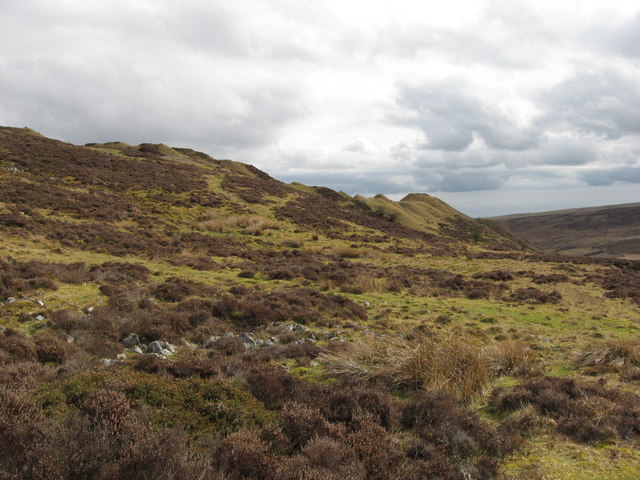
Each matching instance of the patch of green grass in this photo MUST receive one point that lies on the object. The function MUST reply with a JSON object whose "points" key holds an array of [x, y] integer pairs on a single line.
{"points": [[554, 458]]}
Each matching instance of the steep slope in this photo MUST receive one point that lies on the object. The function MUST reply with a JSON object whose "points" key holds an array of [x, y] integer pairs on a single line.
{"points": [[156, 200], [607, 231]]}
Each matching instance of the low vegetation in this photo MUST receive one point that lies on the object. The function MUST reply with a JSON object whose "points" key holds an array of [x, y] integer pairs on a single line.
{"points": [[166, 315]]}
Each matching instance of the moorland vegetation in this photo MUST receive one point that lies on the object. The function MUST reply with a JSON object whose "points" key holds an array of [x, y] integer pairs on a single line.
{"points": [[167, 315]]}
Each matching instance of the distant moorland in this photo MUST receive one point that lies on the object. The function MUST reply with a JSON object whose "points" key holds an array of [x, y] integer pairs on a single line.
{"points": [[608, 231]]}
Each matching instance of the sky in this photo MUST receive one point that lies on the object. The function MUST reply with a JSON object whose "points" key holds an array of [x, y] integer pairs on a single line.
{"points": [[494, 106]]}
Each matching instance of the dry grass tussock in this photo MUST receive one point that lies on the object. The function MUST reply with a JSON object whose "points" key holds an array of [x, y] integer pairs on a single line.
{"points": [[511, 357], [248, 224], [457, 368], [610, 353]]}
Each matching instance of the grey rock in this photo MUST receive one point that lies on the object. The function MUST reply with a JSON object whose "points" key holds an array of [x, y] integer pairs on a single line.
{"points": [[296, 327], [267, 343], [208, 343], [169, 347], [158, 355], [108, 362], [90, 309], [40, 318], [69, 338], [155, 347], [11, 300], [249, 342], [136, 349], [189, 345], [131, 340], [121, 357], [166, 353], [37, 301]]}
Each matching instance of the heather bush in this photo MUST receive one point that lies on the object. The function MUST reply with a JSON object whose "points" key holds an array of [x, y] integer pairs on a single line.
{"points": [[586, 412], [52, 348]]}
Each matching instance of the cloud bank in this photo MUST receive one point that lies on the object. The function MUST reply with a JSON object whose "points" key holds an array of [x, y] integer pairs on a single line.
{"points": [[470, 101]]}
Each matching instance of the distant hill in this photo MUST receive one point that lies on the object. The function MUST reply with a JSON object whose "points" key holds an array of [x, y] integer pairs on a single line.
{"points": [[607, 231]]}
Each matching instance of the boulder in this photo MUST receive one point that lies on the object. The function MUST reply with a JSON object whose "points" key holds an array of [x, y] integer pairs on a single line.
{"points": [[249, 342], [131, 340]]}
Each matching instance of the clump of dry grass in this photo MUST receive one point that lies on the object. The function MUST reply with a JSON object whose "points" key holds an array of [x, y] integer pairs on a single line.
{"points": [[292, 242], [367, 283], [248, 224], [511, 357], [347, 252], [610, 354], [457, 368]]}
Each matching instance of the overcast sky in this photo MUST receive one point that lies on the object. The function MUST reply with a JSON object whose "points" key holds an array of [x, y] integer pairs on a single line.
{"points": [[494, 106]]}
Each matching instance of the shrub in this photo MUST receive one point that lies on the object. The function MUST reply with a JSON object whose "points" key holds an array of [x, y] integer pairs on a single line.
{"points": [[17, 347], [52, 348], [244, 456], [587, 412], [533, 295], [300, 423]]}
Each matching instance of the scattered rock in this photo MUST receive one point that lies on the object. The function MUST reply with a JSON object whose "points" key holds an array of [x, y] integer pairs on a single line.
{"points": [[37, 301], [40, 318], [131, 341], [136, 349], [107, 362], [296, 327], [248, 340], [208, 343], [161, 348]]}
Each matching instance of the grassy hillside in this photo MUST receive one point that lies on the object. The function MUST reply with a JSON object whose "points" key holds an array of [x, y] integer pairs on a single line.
{"points": [[608, 231], [167, 315]]}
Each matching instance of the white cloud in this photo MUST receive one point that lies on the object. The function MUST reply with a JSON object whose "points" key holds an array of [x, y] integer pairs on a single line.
{"points": [[489, 97]]}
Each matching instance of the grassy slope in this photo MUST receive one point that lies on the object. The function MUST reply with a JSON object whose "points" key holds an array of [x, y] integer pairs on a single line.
{"points": [[169, 209]]}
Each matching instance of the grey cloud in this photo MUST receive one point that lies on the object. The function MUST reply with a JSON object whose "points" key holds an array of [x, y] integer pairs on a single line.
{"points": [[82, 102], [471, 181], [566, 152], [365, 183], [604, 102], [450, 118], [608, 176], [621, 39]]}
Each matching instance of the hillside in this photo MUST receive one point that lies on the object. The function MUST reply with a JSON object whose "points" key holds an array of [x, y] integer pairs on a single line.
{"points": [[167, 315], [607, 231]]}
